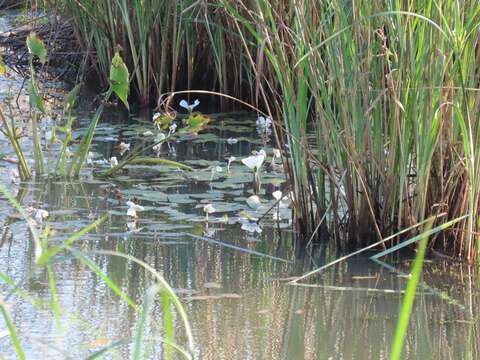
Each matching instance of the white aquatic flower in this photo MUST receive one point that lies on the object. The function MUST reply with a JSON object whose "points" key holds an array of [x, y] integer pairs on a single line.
{"points": [[254, 202], [172, 129], [157, 148], [40, 215], [264, 122], [232, 140], [133, 208], [148, 133], [230, 160], [13, 174], [89, 159], [113, 161], [208, 209], [184, 104], [252, 227], [123, 147], [254, 162], [277, 195]]}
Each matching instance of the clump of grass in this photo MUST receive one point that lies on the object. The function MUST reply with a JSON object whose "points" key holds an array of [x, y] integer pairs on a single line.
{"points": [[165, 44], [389, 91]]}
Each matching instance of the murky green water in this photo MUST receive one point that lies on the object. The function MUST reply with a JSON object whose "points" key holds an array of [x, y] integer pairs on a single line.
{"points": [[238, 303]]}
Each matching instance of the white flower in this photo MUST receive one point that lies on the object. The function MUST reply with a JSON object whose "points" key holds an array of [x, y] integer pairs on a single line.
{"points": [[133, 208], [89, 160], [254, 162], [184, 104], [113, 161], [276, 153], [172, 128], [263, 122], [277, 195], [254, 202], [230, 160], [157, 148], [155, 116], [232, 140], [122, 147], [147, 133], [13, 174], [40, 215], [208, 209], [252, 227]]}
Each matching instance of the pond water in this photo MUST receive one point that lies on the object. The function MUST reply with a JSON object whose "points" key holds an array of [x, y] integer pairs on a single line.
{"points": [[239, 304], [232, 281]]}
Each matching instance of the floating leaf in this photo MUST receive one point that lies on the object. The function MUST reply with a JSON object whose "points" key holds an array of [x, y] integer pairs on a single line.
{"points": [[196, 122], [119, 78], [36, 47], [163, 121]]}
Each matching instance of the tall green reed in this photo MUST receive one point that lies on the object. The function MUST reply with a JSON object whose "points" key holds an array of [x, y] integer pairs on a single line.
{"points": [[165, 44], [390, 92]]}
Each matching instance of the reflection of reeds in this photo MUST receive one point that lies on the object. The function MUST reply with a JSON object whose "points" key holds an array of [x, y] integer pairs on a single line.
{"points": [[47, 255]]}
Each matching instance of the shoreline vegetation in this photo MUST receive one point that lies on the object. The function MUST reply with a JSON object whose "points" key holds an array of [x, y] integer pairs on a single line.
{"points": [[387, 90]]}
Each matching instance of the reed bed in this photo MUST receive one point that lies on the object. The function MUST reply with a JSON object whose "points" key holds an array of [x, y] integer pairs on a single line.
{"points": [[387, 89], [166, 44], [390, 92]]}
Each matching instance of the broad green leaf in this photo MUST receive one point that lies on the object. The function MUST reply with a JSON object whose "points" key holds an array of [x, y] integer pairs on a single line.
{"points": [[119, 78], [36, 47]]}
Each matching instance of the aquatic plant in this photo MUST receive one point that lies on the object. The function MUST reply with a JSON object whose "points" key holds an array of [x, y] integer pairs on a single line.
{"points": [[184, 104], [208, 209], [254, 163]]}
